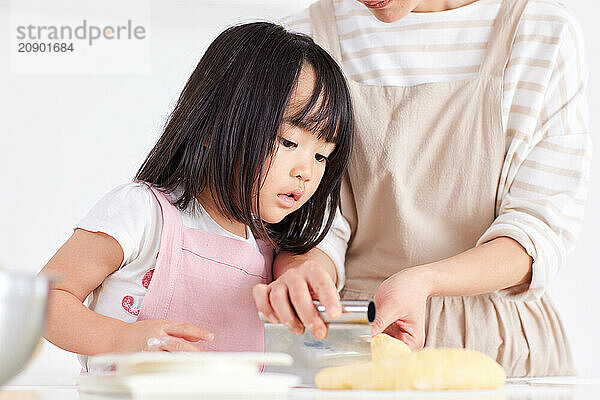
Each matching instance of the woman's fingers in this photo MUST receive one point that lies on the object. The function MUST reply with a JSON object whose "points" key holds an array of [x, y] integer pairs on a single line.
{"points": [[407, 333], [401, 308], [279, 299], [188, 332], [305, 308], [386, 313], [260, 292]]}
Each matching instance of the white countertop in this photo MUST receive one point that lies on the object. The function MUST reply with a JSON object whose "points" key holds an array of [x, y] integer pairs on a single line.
{"points": [[530, 389]]}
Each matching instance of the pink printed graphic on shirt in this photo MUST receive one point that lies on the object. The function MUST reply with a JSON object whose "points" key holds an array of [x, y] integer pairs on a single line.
{"points": [[127, 304], [147, 278]]}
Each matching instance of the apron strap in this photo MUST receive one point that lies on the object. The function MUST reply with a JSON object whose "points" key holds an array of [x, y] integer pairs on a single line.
{"points": [[502, 38], [169, 211], [171, 218], [324, 28]]}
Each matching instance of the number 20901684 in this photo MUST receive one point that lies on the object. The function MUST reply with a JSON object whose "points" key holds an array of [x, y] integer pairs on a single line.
{"points": [[45, 47]]}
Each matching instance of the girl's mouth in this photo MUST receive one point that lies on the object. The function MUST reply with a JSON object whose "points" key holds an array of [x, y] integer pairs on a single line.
{"points": [[288, 200], [376, 4]]}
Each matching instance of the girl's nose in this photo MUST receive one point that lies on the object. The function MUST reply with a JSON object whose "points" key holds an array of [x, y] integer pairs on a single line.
{"points": [[303, 169]]}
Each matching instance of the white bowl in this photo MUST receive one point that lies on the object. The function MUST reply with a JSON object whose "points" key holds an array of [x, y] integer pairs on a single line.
{"points": [[23, 300]]}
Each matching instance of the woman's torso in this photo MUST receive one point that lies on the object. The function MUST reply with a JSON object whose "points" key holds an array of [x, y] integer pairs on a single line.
{"points": [[422, 186]]}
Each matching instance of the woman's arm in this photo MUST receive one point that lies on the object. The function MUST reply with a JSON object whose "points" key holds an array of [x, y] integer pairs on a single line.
{"points": [[498, 264], [401, 299]]}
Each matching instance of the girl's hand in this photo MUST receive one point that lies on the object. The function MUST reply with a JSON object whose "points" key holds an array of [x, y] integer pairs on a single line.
{"points": [[289, 298], [160, 335], [401, 304]]}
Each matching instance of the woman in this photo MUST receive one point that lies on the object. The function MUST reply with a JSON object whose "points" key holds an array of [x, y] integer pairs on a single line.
{"points": [[466, 187]]}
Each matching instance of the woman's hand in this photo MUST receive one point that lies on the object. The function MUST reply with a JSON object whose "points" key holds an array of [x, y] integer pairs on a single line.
{"points": [[401, 304], [299, 280], [401, 299], [160, 335]]}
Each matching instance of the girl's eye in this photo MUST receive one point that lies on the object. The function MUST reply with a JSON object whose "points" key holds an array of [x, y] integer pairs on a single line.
{"points": [[320, 157], [287, 143]]}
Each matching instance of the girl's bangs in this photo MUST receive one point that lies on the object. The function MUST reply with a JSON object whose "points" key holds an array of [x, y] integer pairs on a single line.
{"points": [[324, 111]]}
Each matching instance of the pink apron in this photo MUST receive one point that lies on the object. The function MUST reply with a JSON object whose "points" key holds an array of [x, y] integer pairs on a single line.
{"points": [[206, 280]]}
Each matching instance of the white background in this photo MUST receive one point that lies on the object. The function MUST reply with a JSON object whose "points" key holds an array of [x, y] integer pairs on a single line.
{"points": [[67, 139]]}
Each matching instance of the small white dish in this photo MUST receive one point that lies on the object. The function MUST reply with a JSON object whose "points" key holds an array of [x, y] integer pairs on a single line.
{"points": [[156, 374]]}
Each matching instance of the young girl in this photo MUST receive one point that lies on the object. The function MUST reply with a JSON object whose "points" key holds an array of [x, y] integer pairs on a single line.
{"points": [[250, 161]]}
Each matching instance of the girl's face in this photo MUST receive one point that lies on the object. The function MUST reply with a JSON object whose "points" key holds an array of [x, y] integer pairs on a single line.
{"points": [[298, 162]]}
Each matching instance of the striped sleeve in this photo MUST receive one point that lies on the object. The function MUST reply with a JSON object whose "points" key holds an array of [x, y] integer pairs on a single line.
{"points": [[335, 245], [544, 178]]}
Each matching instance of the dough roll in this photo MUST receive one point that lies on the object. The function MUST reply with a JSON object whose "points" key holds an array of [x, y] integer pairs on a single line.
{"points": [[394, 367]]}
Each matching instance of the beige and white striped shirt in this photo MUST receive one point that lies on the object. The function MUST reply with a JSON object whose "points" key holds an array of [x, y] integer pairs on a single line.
{"points": [[543, 184]]}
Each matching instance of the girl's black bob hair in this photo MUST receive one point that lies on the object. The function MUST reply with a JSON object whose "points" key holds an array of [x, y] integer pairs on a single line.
{"points": [[226, 122]]}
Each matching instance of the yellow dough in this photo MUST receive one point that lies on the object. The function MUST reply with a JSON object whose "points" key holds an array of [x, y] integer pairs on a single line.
{"points": [[384, 347], [394, 367]]}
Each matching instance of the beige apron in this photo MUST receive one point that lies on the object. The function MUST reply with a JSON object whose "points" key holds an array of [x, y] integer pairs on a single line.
{"points": [[421, 187]]}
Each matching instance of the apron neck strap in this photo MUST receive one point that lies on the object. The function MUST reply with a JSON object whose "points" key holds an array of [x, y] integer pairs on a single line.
{"points": [[502, 38], [324, 28], [170, 213]]}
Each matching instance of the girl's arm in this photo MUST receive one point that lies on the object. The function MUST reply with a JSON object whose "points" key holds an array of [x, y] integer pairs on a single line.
{"points": [[84, 261], [299, 279], [286, 261]]}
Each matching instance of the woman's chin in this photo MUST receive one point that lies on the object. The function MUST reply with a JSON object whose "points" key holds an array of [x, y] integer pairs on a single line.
{"points": [[389, 16]]}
